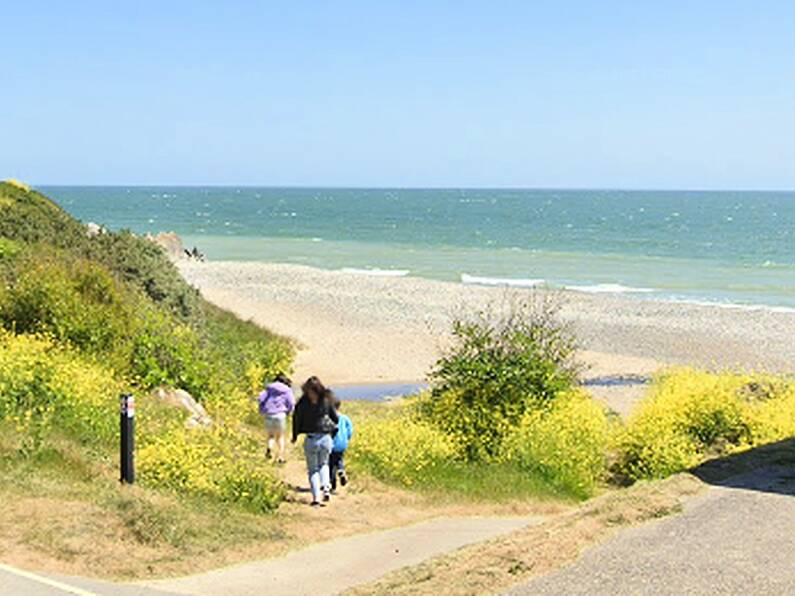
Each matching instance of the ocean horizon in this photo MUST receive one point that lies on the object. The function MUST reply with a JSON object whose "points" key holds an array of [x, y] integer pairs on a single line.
{"points": [[716, 247]]}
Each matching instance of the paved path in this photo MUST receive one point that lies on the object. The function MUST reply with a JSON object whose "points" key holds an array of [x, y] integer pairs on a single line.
{"points": [[738, 538], [16, 582], [331, 567]]}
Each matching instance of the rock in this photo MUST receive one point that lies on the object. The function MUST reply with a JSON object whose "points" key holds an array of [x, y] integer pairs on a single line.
{"points": [[169, 242], [93, 229], [179, 398]]}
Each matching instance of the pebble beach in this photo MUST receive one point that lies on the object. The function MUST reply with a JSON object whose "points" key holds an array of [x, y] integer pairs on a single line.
{"points": [[352, 327]]}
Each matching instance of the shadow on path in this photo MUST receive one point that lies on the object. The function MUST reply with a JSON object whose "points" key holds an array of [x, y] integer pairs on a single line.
{"points": [[769, 468]]}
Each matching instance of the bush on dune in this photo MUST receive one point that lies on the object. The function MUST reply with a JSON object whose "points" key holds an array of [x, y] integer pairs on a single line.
{"points": [[502, 408], [691, 415], [565, 442], [240, 353], [168, 353], [502, 365]]}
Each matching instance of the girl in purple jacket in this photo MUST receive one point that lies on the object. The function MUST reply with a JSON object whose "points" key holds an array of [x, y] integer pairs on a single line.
{"points": [[275, 403]]}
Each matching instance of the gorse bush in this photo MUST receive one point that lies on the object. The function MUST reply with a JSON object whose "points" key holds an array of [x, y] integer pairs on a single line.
{"points": [[502, 364], [43, 384], [220, 462], [565, 442], [79, 302], [402, 450], [691, 415]]}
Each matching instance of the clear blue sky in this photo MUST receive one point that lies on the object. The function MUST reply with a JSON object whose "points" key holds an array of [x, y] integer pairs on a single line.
{"points": [[635, 94]]}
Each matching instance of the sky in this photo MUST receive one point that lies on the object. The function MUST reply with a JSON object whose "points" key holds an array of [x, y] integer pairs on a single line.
{"points": [[570, 94]]}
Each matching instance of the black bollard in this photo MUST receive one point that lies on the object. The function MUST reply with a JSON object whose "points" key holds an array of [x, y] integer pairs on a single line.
{"points": [[127, 438]]}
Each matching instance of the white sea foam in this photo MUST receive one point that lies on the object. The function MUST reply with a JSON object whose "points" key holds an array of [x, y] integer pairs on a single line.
{"points": [[500, 281], [734, 305], [376, 272], [609, 289]]}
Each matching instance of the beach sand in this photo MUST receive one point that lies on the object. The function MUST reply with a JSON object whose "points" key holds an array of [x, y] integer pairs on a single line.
{"points": [[355, 328]]}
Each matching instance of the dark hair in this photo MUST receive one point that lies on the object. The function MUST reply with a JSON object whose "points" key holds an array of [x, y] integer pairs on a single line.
{"points": [[331, 398], [283, 378], [314, 385]]}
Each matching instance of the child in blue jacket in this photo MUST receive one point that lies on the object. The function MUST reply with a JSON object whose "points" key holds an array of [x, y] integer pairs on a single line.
{"points": [[341, 441]]}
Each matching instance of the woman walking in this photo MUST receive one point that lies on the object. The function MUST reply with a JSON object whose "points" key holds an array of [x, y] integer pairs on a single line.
{"points": [[316, 417], [275, 403]]}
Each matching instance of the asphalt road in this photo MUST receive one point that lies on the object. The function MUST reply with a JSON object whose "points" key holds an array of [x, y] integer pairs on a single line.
{"points": [[738, 538], [17, 582]]}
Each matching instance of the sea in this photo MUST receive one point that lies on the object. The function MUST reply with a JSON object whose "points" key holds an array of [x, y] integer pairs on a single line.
{"points": [[724, 248]]}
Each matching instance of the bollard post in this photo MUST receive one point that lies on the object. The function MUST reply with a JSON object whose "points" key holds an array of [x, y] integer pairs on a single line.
{"points": [[127, 438]]}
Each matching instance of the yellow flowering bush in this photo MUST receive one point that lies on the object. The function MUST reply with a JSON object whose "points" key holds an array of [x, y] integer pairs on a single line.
{"points": [[565, 443], [17, 184], [220, 462], [773, 419], [690, 415], [40, 380], [401, 449]]}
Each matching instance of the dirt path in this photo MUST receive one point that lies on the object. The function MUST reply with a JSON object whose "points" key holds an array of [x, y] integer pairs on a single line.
{"points": [[738, 538], [332, 567]]}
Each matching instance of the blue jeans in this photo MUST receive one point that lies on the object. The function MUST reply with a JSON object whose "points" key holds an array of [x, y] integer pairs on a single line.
{"points": [[317, 449]]}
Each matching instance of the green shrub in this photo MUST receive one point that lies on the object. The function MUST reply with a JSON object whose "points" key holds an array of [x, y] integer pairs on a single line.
{"points": [[9, 249], [691, 415], [500, 366], [144, 265], [29, 217], [167, 353], [32, 219], [74, 300], [566, 443]]}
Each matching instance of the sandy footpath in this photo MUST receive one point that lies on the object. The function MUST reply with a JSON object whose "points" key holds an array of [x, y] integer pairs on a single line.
{"points": [[356, 328]]}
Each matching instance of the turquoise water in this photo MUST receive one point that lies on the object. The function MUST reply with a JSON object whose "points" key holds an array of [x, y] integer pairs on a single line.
{"points": [[726, 247]]}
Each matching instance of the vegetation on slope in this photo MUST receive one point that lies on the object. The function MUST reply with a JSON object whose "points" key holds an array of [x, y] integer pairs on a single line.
{"points": [[84, 316]]}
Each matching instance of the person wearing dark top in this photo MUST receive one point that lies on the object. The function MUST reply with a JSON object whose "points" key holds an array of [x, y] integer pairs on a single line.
{"points": [[315, 417]]}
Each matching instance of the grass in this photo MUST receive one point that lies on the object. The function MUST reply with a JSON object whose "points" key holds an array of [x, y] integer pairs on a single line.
{"points": [[65, 509], [497, 482]]}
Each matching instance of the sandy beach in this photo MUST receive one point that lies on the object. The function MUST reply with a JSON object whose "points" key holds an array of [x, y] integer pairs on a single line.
{"points": [[356, 328]]}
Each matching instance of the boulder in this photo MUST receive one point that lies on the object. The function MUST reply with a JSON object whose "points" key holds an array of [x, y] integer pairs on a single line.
{"points": [[179, 398], [170, 242], [93, 229]]}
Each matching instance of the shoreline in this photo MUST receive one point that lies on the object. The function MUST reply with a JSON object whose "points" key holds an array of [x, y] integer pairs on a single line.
{"points": [[355, 328]]}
